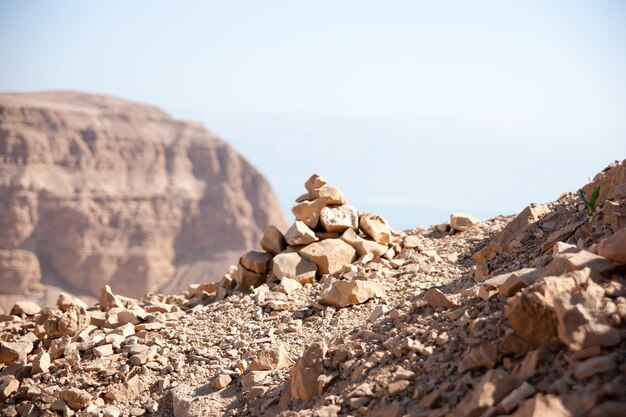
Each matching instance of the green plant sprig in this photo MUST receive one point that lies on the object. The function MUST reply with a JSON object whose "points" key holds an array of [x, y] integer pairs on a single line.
{"points": [[591, 203]]}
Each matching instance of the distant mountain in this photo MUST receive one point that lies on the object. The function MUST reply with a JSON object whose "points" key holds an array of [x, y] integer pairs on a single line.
{"points": [[97, 190]]}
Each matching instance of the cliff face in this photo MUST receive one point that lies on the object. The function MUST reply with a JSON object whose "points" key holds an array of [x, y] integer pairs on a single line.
{"points": [[96, 190]]}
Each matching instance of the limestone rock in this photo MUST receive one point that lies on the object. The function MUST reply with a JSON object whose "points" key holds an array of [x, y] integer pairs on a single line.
{"points": [[272, 358], [246, 278], [329, 255], [614, 247], [299, 234], [376, 227], [542, 406], [140, 230], [462, 222], [339, 218], [221, 381], [68, 323], [593, 366], [75, 398], [41, 363], [288, 285], [256, 261], [14, 351], [345, 293], [305, 373], [479, 356], [25, 307], [273, 241], [315, 181], [108, 299], [292, 265], [490, 390], [435, 298], [66, 300], [333, 195], [362, 246], [8, 385], [309, 212]]}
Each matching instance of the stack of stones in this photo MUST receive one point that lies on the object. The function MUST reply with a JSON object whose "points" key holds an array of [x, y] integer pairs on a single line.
{"points": [[326, 235]]}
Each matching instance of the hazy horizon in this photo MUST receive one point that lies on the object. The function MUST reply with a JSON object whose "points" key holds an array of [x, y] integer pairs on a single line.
{"points": [[415, 110]]}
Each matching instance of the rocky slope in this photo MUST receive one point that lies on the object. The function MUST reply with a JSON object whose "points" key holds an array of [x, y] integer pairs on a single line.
{"points": [[516, 316], [96, 190]]}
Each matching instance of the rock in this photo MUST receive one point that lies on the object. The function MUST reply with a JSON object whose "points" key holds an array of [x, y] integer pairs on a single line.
{"points": [[511, 401], [542, 406], [292, 265], [256, 261], [566, 258], [75, 398], [14, 351], [483, 355], [397, 387], [246, 278], [614, 247], [315, 181], [345, 293], [68, 323], [272, 358], [593, 366], [299, 234], [435, 298], [376, 227], [41, 363], [144, 357], [108, 299], [110, 411], [221, 381], [362, 246], [103, 351], [66, 300], [309, 212], [27, 308], [8, 385], [462, 222], [306, 372], [516, 281], [333, 195], [329, 255], [339, 218], [273, 241], [288, 285], [490, 390]]}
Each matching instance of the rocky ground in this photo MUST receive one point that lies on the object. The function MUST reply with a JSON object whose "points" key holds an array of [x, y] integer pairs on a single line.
{"points": [[522, 315]]}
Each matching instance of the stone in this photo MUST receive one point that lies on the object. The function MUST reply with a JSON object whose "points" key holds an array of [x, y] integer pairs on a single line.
{"points": [[309, 212], [108, 299], [593, 366], [515, 397], [462, 222], [255, 261], [306, 372], [299, 234], [75, 398], [330, 255], [397, 387], [144, 357], [64, 301], [494, 385], [110, 411], [362, 246], [14, 351], [246, 278], [614, 247], [542, 406], [288, 285], [103, 350], [69, 323], [41, 363], [345, 293], [272, 358], [221, 381], [273, 241], [483, 355], [339, 218], [8, 385], [333, 195], [315, 181], [376, 227], [435, 298], [292, 265], [28, 308], [516, 281]]}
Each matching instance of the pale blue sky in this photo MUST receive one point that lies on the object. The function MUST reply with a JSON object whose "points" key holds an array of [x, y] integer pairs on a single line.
{"points": [[415, 109]]}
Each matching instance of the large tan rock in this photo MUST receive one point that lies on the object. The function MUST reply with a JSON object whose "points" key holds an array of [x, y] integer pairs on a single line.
{"points": [[315, 181], [256, 261], [27, 308], [614, 247], [272, 358], [329, 255], [308, 212], [362, 246], [345, 293], [339, 218], [376, 227], [75, 398], [113, 192], [69, 323], [14, 351], [490, 390], [542, 406], [246, 278], [304, 384], [608, 180], [299, 234], [273, 240], [462, 222], [333, 195], [435, 298], [292, 265]]}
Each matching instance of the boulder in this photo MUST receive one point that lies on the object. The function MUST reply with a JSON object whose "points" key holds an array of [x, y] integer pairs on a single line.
{"points": [[304, 383], [345, 293], [108, 299], [14, 351], [292, 265], [41, 363], [490, 390], [329, 255], [462, 222], [69, 323], [273, 241], [315, 181], [272, 358], [333, 195], [64, 301], [299, 234], [362, 246], [75, 398], [435, 298], [614, 247], [246, 278], [339, 218], [27, 308], [255, 261], [309, 212], [8, 385], [376, 227]]}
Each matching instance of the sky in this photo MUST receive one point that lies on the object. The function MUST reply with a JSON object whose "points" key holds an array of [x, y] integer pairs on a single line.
{"points": [[415, 109]]}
